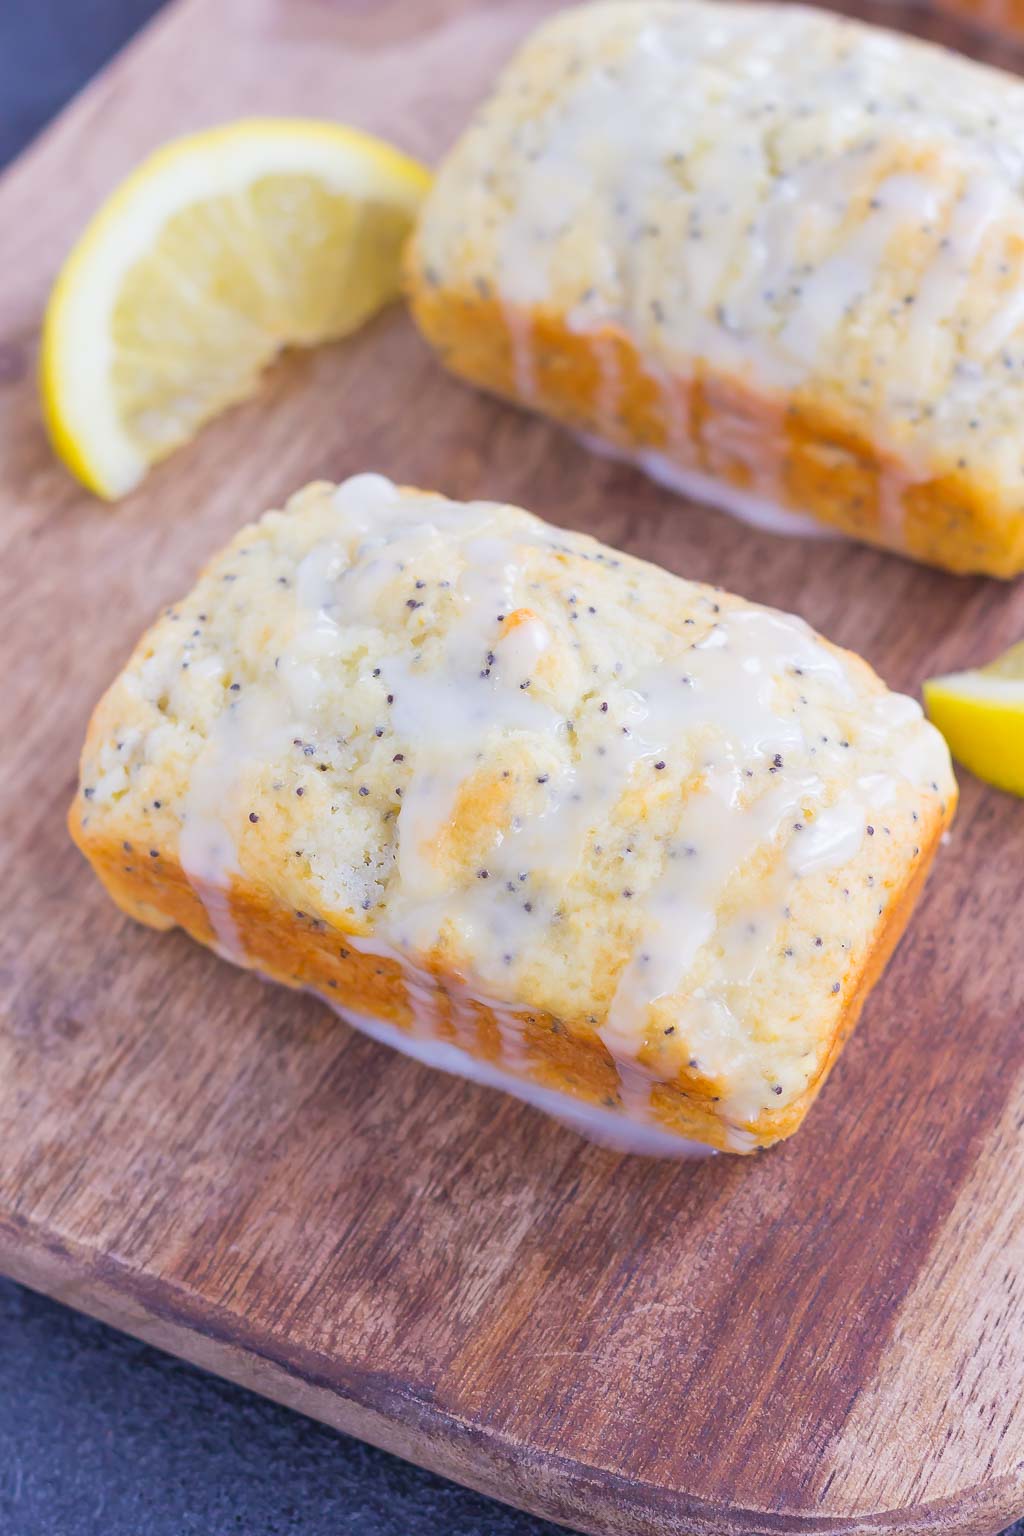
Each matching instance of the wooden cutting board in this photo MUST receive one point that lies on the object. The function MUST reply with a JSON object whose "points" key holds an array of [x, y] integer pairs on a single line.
{"points": [[825, 1338]]}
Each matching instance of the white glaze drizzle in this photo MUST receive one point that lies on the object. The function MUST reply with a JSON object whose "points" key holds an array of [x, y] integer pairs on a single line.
{"points": [[524, 371], [722, 830], [609, 390], [714, 703], [251, 728]]}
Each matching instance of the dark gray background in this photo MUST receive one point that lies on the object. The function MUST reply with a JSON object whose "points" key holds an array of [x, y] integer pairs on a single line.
{"points": [[101, 1435]]}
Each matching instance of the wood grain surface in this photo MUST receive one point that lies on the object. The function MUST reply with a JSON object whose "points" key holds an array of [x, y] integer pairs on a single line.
{"points": [[825, 1338]]}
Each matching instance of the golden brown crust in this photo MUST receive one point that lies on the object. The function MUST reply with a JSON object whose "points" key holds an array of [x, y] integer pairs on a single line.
{"points": [[564, 1055], [820, 462]]}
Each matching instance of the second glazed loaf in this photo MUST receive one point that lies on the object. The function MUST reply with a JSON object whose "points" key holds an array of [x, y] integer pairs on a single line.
{"points": [[775, 254]]}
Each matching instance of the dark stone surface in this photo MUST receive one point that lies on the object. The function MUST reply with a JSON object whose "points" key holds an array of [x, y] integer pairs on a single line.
{"points": [[101, 1435], [49, 49]]}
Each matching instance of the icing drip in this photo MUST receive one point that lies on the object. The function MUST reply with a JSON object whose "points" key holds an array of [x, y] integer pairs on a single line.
{"points": [[523, 369], [250, 728], [603, 1126], [748, 508]]}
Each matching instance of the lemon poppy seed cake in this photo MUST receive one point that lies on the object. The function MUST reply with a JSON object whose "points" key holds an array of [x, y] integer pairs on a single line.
{"points": [[773, 255], [528, 807]]}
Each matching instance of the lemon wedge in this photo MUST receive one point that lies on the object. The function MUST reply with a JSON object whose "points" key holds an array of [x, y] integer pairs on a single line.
{"points": [[981, 715], [219, 250]]}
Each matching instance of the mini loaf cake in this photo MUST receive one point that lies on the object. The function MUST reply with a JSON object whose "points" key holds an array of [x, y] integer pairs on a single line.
{"points": [[537, 811], [774, 256]]}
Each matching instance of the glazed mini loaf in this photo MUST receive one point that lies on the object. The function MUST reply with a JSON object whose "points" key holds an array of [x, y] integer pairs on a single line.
{"points": [[524, 806], [775, 256]]}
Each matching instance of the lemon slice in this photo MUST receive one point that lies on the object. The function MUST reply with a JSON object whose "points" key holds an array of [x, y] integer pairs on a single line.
{"points": [[219, 250], [981, 715]]}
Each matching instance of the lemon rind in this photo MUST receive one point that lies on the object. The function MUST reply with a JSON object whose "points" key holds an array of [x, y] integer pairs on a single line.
{"points": [[981, 715]]}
